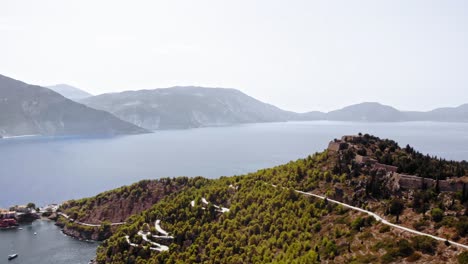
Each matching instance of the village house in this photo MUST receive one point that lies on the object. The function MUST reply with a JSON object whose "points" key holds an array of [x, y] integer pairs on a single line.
{"points": [[6, 214], [21, 209]]}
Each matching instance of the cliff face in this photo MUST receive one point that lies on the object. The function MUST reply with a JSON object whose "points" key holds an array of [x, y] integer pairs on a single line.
{"points": [[115, 207]]}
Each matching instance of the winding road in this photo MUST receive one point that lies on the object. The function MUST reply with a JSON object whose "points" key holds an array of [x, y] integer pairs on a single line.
{"points": [[382, 220], [85, 224]]}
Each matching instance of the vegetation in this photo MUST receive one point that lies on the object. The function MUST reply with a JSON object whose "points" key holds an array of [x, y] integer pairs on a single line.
{"points": [[276, 224]]}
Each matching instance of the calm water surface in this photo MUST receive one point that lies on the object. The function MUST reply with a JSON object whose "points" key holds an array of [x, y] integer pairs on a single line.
{"points": [[48, 246], [46, 170]]}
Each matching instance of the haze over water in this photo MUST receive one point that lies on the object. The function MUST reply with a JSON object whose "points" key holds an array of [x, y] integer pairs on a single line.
{"points": [[58, 169]]}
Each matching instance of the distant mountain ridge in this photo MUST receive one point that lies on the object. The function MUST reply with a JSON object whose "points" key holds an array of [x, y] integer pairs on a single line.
{"points": [[187, 107], [190, 107], [376, 112], [34, 110], [69, 91]]}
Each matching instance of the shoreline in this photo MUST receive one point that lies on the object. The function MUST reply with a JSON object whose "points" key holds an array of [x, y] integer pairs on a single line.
{"points": [[21, 136]]}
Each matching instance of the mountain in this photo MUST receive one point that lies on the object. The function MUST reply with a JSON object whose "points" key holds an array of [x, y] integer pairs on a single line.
{"points": [[448, 114], [370, 112], [69, 92], [376, 112], [363, 200], [187, 107], [33, 110]]}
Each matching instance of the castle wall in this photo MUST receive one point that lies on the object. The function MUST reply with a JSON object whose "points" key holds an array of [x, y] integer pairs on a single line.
{"points": [[415, 182]]}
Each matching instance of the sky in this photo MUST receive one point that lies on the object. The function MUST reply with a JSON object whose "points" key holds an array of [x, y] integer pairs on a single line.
{"points": [[298, 55]]}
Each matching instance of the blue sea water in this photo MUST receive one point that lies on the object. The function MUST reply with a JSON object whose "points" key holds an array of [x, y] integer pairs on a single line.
{"points": [[45, 170]]}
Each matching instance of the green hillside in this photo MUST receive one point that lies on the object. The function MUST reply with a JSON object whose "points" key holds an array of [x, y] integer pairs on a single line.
{"points": [[269, 222]]}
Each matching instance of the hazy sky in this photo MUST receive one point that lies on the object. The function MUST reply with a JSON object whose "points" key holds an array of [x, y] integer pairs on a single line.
{"points": [[298, 55]]}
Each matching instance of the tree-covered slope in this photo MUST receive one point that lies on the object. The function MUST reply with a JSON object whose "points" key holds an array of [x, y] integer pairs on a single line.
{"points": [[103, 210], [268, 222]]}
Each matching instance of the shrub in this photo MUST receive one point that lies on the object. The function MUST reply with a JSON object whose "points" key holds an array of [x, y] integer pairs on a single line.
{"points": [[357, 223], [463, 258], [437, 214], [425, 244], [414, 257], [384, 229], [462, 226]]}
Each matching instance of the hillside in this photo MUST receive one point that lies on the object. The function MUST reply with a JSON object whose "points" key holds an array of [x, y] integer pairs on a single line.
{"points": [[69, 91], [115, 206], [261, 217], [187, 107], [34, 110]]}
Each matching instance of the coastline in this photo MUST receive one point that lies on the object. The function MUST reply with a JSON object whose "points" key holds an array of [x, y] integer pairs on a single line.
{"points": [[20, 136]]}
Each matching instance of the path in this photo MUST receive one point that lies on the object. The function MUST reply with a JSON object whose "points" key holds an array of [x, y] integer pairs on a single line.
{"points": [[218, 208], [144, 235], [85, 224], [382, 220]]}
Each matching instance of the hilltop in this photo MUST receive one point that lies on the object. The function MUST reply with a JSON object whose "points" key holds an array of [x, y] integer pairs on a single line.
{"points": [[266, 217]]}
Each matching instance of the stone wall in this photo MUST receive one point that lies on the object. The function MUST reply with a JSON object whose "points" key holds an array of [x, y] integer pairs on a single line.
{"points": [[414, 182], [385, 167], [337, 145]]}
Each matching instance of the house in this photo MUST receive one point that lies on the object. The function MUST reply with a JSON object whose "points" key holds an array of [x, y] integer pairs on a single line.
{"points": [[6, 214], [21, 209]]}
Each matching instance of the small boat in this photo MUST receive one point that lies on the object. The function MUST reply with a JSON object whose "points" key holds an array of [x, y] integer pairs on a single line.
{"points": [[13, 256], [20, 228], [35, 233]]}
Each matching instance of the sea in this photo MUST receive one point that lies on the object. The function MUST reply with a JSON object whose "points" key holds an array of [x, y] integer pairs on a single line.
{"points": [[47, 170]]}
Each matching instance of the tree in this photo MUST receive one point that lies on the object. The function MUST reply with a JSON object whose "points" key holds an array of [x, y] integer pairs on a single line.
{"points": [[396, 208]]}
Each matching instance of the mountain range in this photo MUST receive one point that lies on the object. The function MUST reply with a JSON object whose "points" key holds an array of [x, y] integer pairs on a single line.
{"points": [[187, 107], [33, 110], [28, 109], [376, 112]]}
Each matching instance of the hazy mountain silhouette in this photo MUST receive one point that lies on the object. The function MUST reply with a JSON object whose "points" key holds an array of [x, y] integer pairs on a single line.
{"points": [[187, 107], [371, 112], [29, 109], [376, 112]]}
